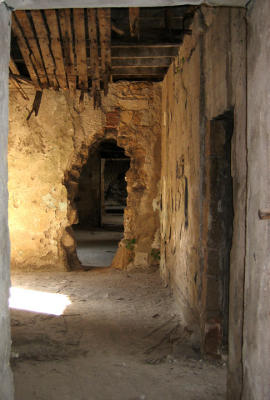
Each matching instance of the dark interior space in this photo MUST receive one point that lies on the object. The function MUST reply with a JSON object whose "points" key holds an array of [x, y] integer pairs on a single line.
{"points": [[218, 239], [100, 204]]}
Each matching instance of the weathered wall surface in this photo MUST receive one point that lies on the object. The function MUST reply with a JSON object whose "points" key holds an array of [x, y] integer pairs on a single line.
{"points": [[206, 81], [46, 155], [256, 344], [6, 384]]}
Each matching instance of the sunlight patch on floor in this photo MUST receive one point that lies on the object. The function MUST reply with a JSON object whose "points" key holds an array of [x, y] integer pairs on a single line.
{"points": [[36, 301]]}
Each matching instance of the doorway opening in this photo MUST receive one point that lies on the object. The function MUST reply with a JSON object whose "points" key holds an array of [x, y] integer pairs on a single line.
{"points": [[100, 204], [218, 233]]}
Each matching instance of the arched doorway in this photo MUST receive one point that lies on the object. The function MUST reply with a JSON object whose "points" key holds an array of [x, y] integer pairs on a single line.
{"points": [[100, 203]]}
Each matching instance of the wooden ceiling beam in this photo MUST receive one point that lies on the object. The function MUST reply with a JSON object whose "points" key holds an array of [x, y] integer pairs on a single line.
{"points": [[25, 51], [94, 57], [54, 37], [142, 62], [144, 51], [130, 77], [13, 67], [44, 43], [139, 71], [80, 47], [33, 44], [66, 31], [104, 21], [14, 71]]}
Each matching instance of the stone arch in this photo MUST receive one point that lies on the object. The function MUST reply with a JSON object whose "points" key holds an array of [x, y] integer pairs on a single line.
{"points": [[135, 248]]}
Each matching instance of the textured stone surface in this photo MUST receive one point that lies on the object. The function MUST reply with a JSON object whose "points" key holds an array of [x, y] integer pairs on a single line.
{"points": [[6, 384], [205, 81], [47, 153]]}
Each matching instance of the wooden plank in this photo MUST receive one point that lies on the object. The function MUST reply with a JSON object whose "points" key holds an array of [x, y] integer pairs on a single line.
{"points": [[80, 47], [44, 44], [141, 62], [139, 71], [56, 48], [25, 51], [144, 51], [13, 67], [104, 21], [134, 22], [17, 85], [155, 78], [33, 45], [66, 31], [94, 57]]}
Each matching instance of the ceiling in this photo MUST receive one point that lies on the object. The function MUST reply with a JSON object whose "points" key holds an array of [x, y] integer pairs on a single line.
{"points": [[86, 49]]}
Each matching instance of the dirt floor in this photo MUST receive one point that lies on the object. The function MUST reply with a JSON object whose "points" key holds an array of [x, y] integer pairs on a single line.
{"points": [[119, 339], [97, 248]]}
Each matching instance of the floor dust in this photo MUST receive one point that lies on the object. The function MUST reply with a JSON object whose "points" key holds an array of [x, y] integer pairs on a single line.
{"points": [[119, 339]]}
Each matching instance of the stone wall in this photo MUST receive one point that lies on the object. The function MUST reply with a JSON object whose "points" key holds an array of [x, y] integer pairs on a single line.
{"points": [[46, 156], [206, 81]]}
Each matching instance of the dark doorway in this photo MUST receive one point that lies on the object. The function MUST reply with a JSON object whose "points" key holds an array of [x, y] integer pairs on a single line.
{"points": [[100, 204], [218, 231]]}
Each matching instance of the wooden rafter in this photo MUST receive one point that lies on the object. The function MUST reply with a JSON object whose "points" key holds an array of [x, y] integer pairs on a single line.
{"points": [[94, 58], [134, 22], [13, 67], [33, 45], [65, 48], [139, 71], [56, 47], [104, 21], [13, 73], [144, 51], [66, 30], [80, 46], [25, 51], [44, 43]]}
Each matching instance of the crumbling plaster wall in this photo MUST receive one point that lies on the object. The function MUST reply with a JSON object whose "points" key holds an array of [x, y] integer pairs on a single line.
{"points": [[206, 80], [46, 155]]}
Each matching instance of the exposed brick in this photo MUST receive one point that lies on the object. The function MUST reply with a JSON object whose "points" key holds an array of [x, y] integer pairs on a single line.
{"points": [[112, 119]]}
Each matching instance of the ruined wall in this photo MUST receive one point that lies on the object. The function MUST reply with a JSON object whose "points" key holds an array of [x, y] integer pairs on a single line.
{"points": [[256, 343], [205, 81], [6, 383], [46, 155]]}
